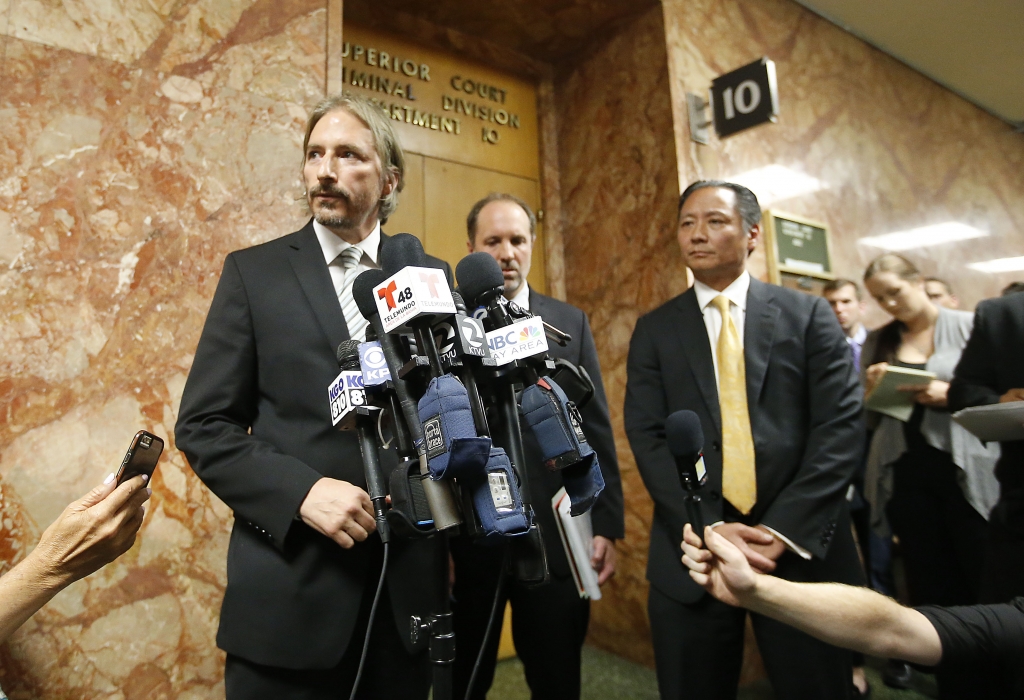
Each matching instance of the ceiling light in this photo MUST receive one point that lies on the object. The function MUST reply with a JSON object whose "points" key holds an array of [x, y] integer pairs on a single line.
{"points": [[999, 265], [774, 183], [936, 234]]}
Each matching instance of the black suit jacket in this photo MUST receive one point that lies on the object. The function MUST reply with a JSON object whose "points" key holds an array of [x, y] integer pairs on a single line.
{"points": [[255, 425], [804, 401], [607, 513], [989, 367]]}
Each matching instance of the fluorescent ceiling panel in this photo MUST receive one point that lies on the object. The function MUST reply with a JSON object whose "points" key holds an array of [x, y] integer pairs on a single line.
{"points": [[774, 183], [999, 265], [936, 234]]}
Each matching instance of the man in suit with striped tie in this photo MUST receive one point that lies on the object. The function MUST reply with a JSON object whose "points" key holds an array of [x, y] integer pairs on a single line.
{"points": [[768, 372], [255, 425]]}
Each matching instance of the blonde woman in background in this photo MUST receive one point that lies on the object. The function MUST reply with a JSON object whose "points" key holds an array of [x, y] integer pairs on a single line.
{"points": [[929, 477]]}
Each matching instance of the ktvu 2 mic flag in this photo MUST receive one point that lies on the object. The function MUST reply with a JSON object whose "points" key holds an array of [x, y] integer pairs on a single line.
{"points": [[412, 292], [345, 393]]}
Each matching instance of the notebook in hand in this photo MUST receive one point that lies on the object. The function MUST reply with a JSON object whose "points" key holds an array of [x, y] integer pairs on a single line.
{"points": [[886, 397]]}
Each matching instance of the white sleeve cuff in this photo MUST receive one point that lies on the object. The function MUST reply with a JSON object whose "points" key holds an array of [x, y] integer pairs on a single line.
{"points": [[804, 554]]}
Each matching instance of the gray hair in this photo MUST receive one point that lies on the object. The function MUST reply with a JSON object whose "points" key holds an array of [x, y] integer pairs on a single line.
{"points": [[385, 141], [746, 201], [474, 213]]}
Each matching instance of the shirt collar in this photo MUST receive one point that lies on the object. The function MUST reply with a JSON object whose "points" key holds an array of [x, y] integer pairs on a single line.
{"points": [[332, 245], [522, 297], [736, 292]]}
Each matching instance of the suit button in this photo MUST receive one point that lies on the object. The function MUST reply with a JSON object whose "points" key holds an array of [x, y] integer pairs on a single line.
{"points": [[716, 446]]}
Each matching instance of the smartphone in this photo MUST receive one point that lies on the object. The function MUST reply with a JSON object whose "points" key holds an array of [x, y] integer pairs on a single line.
{"points": [[142, 456]]}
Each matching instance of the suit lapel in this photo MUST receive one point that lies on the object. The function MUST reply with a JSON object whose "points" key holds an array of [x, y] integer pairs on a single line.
{"points": [[758, 334], [693, 339], [307, 260]]}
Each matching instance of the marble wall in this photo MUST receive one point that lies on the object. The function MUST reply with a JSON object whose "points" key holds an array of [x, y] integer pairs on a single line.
{"points": [[619, 191], [142, 142]]}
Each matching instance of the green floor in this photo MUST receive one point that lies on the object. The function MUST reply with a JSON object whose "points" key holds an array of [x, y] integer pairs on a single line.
{"points": [[608, 676]]}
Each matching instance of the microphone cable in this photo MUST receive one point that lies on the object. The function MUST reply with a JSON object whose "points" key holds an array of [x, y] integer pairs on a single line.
{"points": [[490, 623], [369, 625]]}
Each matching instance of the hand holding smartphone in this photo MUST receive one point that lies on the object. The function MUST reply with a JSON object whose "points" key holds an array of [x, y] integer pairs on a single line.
{"points": [[143, 454]]}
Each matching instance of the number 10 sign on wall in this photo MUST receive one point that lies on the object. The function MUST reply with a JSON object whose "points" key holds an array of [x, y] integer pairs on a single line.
{"points": [[746, 97]]}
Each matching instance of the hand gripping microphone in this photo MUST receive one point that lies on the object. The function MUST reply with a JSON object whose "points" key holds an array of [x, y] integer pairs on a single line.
{"points": [[365, 420], [439, 495], [685, 440]]}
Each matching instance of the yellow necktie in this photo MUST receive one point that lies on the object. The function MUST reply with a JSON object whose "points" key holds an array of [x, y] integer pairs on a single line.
{"points": [[739, 480]]}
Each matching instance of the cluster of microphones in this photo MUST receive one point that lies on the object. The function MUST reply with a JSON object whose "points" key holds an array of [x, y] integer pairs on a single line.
{"points": [[453, 379]]}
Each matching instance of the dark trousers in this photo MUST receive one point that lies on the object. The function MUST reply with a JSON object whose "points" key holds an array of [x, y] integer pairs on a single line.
{"points": [[390, 671], [698, 651], [549, 624], [938, 529]]}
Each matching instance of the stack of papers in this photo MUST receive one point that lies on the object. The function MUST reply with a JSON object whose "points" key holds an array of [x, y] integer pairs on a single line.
{"points": [[888, 399], [578, 539], [998, 421]]}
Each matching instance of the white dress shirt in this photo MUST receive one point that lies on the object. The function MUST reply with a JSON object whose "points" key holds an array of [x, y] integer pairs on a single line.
{"points": [[331, 244], [736, 293], [522, 297]]}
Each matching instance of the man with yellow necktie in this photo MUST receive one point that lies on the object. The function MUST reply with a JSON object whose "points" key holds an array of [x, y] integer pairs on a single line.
{"points": [[768, 372]]}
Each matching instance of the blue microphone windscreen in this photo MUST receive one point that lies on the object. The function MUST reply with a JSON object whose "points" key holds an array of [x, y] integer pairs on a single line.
{"points": [[362, 291], [684, 435]]}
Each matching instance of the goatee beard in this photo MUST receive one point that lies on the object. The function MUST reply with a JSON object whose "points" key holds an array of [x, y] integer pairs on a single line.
{"points": [[332, 220]]}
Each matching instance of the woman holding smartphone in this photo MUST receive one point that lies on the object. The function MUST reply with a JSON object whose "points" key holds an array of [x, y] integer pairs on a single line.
{"points": [[90, 533]]}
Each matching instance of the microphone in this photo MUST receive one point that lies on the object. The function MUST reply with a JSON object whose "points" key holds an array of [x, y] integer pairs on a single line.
{"points": [[439, 495], [364, 419], [401, 250], [685, 440], [481, 282]]}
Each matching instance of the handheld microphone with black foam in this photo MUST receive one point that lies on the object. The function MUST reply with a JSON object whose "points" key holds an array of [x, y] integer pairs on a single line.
{"points": [[439, 495], [364, 419], [685, 440], [482, 283]]}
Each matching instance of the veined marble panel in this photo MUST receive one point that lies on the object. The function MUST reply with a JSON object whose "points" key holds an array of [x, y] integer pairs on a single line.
{"points": [[619, 191], [141, 144]]}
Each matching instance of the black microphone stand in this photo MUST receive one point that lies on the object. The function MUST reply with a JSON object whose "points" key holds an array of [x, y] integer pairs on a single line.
{"points": [[441, 625]]}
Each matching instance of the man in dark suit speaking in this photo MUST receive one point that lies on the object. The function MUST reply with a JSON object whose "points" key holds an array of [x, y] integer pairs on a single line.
{"points": [[768, 372], [255, 425], [549, 623]]}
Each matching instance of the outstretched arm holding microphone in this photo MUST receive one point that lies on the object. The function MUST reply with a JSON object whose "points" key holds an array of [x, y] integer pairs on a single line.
{"points": [[986, 640], [845, 616], [90, 533]]}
